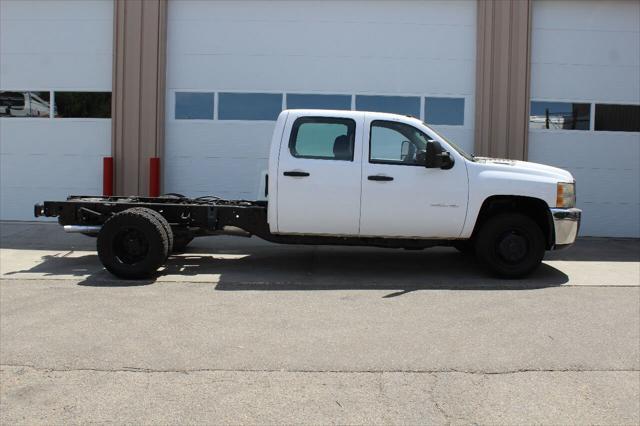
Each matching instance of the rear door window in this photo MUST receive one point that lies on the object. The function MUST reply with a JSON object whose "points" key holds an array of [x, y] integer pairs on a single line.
{"points": [[323, 138]]}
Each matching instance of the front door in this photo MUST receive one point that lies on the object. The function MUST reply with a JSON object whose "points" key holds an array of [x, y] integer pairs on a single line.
{"points": [[402, 198], [319, 175]]}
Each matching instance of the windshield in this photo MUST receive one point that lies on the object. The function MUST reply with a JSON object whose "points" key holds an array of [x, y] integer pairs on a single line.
{"points": [[459, 150]]}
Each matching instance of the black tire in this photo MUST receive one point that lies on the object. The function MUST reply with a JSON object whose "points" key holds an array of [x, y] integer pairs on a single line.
{"points": [[133, 244], [511, 245], [163, 222], [465, 247]]}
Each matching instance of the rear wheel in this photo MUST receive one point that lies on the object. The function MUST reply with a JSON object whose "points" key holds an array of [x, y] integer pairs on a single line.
{"points": [[133, 244], [511, 245], [163, 222]]}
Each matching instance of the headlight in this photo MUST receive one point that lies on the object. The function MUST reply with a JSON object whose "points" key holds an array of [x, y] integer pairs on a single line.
{"points": [[566, 196]]}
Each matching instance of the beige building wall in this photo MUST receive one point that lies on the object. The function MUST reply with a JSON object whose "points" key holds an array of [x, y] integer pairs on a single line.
{"points": [[502, 85], [138, 91], [503, 78]]}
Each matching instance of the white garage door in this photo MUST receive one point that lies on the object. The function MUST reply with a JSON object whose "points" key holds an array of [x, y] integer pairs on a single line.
{"points": [[232, 67], [53, 52], [585, 93]]}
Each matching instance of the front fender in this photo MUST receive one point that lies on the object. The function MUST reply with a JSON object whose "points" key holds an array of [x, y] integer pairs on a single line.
{"points": [[486, 182]]}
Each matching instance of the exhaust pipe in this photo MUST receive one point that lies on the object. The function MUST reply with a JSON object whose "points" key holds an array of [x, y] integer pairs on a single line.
{"points": [[82, 229]]}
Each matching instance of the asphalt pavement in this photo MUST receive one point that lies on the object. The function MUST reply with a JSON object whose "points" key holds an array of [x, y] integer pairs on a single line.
{"points": [[239, 330]]}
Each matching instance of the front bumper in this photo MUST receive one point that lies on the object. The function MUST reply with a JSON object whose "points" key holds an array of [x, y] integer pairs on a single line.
{"points": [[566, 223]]}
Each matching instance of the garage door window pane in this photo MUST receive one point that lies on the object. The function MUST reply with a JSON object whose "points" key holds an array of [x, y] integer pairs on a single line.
{"points": [[83, 104], [560, 115], [24, 104], [314, 101], [194, 106], [405, 105], [323, 138], [249, 106], [618, 118], [447, 111]]}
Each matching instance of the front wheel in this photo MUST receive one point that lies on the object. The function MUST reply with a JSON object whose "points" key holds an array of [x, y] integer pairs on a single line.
{"points": [[511, 245]]}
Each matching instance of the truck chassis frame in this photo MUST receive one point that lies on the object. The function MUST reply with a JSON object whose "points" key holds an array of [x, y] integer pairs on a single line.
{"points": [[206, 216]]}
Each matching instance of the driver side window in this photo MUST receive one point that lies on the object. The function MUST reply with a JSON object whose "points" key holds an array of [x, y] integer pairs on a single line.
{"points": [[396, 143]]}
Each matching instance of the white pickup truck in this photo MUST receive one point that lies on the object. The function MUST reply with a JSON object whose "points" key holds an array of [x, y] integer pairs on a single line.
{"points": [[350, 178]]}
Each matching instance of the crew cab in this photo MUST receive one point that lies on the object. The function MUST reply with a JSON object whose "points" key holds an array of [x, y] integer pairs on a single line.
{"points": [[350, 178]]}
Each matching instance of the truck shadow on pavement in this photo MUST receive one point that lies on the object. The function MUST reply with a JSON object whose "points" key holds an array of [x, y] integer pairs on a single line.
{"points": [[305, 269]]}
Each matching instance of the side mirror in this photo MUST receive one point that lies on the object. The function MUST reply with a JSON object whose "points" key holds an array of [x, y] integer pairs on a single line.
{"points": [[447, 160], [437, 157]]}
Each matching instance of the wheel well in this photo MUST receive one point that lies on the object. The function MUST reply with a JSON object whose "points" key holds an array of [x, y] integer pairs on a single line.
{"points": [[535, 208]]}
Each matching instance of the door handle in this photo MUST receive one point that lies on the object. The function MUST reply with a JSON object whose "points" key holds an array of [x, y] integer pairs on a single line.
{"points": [[380, 178], [295, 173]]}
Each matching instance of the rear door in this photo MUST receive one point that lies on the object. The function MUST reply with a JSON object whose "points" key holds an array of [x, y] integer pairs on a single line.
{"points": [[319, 174]]}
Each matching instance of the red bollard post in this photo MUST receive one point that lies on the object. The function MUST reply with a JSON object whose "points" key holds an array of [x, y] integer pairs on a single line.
{"points": [[107, 176], [154, 177]]}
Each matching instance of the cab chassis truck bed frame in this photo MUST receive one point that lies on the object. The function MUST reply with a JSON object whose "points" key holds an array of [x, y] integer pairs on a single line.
{"points": [[202, 217]]}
